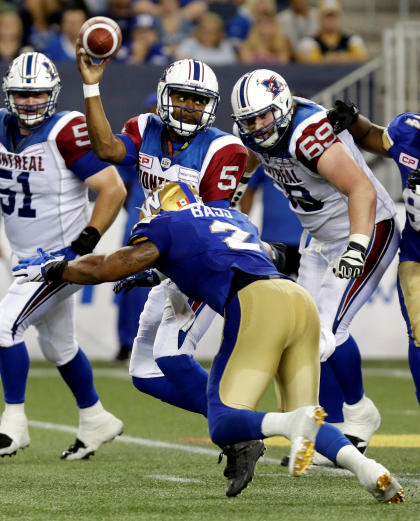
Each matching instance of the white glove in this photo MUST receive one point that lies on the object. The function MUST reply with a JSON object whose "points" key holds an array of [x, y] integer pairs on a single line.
{"points": [[351, 263], [32, 269]]}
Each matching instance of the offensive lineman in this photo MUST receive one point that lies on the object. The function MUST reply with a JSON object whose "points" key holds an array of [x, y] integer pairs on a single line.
{"points": [[47, 166], [348, 214], [271, 325], [401, 141]]}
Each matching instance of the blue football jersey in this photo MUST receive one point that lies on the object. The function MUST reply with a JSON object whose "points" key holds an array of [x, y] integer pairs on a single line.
{"points": [[402, 141], [200, 247]]}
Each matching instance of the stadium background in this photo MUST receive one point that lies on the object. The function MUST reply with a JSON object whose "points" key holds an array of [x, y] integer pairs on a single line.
{"points": [[379, 327]]}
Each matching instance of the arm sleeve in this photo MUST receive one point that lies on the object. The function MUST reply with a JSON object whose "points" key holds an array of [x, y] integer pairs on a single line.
{"points": [[155, 231], [223, 173], [74, 146], [313, 141], [132, 139]]}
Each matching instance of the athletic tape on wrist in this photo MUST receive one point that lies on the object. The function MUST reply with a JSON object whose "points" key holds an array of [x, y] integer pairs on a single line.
{"points": [[361, 239], [89, 91]]}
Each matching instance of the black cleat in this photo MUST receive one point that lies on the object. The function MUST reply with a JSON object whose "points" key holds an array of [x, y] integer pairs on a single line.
{"points": [[285, 461], [78, 448], [361, 445], [241, 460]]}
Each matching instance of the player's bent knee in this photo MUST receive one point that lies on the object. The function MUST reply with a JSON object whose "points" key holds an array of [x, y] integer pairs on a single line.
{"points": [[58, 355]]}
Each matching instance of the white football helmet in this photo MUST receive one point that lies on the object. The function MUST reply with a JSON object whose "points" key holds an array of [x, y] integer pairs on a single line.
{"points": [[256, 93], [31, 72], [188, 76]]}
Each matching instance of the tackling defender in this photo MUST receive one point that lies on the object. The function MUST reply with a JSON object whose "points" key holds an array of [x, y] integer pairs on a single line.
{"points": [[47, 166], [271, 325], [348, 214], [401, 141], [179, 144]]}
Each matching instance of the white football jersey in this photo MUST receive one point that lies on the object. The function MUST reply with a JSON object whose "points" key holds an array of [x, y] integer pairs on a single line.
{"points": [[321, 208], [43, 202]]}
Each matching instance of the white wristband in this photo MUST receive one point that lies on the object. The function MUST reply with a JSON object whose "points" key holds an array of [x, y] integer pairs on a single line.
{"points": [[89, 91], [361, 239]]}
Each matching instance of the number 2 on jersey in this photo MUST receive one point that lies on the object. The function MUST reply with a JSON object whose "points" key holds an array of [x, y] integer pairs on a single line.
{"points": [[8, 202], [236, 240]]}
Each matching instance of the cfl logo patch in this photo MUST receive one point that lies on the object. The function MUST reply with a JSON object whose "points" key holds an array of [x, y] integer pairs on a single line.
{"points": [[408, 161], [145, 161]]}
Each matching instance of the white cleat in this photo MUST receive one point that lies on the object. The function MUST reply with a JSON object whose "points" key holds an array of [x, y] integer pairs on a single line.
{"points": [[14, 433], [379, 482], [93, 432], [305, 427], [361, 421]]}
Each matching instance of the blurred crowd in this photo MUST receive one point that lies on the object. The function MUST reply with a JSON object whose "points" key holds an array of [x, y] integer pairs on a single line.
{"points": [[219, 32]]}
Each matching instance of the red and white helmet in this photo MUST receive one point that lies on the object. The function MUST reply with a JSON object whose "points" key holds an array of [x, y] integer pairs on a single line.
{"points": [[31, 71], [188, 76], [256, 93]]}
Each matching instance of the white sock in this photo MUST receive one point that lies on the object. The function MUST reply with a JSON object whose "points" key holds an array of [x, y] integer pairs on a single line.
{"points": [[350, 458], [277, 424], [93, 410], [14, 408]]}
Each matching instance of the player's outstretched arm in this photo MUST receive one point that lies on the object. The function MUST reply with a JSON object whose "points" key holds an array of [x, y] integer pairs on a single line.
{"points": [[105, 145], [89, 269]]}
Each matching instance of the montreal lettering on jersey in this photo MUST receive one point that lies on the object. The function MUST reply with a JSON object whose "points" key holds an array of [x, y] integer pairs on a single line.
{"points": [[150, 181], [206, 211], [282, 175], [24, 163]]}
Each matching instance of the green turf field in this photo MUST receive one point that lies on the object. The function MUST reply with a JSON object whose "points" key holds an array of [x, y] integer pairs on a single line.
{"points": [[164, 467]]}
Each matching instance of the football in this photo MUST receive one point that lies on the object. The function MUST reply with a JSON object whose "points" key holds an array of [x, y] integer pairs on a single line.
{"points": [[100, 37]]}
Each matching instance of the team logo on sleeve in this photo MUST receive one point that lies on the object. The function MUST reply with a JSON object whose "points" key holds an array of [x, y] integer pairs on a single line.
{"points": [[273, 85]]}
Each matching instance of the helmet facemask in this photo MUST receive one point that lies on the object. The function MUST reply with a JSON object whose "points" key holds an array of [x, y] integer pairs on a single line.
{"points": [[180, 126], [31, 73], [189, 76], [269, 135]]}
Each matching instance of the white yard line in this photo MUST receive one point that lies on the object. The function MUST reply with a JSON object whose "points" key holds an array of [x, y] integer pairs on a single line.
{"points": [[164, 477], [122, 372], [155, 444]]}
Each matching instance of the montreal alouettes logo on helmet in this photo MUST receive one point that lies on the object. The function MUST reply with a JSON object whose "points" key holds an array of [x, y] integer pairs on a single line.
{"points": [[50, 70], [273, 85]]}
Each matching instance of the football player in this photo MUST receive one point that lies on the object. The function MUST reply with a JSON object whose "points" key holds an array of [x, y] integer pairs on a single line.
{"points": [[401, 141], [271, 325], [47, 166], [348, 214], [177, 144]]}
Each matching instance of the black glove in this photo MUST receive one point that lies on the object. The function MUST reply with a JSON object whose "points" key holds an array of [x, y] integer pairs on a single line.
{"points": [[86, 241], [351, 263], [413, 181], [279, 255], [342, 115], [145, 279]]}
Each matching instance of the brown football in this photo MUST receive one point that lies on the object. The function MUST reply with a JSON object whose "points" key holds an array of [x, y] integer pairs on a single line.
{"points": [[100, 37]]}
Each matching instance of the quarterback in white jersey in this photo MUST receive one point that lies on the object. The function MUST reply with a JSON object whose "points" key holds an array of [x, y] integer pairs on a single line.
{"points": [[46, 168], [177, 145], [346, 211]]}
